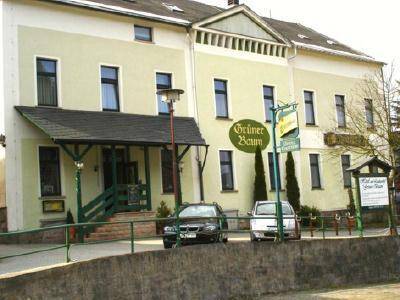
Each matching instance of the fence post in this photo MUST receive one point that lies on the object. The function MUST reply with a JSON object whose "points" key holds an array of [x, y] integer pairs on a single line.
{"points": [[311, 225], [67, 245], [336, 223], [132, 238], [323, 227]]}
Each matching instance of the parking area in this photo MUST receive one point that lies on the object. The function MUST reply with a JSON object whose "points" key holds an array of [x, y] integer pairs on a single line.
{"points": [[86, 252]]}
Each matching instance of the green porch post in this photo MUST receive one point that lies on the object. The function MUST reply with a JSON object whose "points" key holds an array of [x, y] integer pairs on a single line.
{"points": [[114, 177], [147, 171], [78, 191]]}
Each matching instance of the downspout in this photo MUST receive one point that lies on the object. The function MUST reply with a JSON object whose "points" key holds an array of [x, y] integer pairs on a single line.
{"points": [[200, 166]]}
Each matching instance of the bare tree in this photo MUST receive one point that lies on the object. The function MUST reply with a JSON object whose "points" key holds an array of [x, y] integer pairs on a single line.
{"points": [[372, 119]]}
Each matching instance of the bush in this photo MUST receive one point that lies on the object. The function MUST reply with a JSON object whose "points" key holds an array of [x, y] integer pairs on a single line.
{"points": [[260, 186], [292, 186], [163, 211], [70, 217], [305, 212]]}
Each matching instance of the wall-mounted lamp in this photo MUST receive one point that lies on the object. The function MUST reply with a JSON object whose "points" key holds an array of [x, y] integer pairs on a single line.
{"points": [[79, 165], [181, 165]]}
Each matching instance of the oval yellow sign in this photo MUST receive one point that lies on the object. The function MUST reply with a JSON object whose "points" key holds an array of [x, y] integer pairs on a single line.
{"points": [[246, 135]]}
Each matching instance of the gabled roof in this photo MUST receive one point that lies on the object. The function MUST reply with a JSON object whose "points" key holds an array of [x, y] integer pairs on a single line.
{"points": [[194, 12], [249, 13], [370, 161], [97, 127]]}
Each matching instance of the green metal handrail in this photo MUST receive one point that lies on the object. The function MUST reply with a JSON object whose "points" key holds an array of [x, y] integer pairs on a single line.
{"points": [[322, 220]]}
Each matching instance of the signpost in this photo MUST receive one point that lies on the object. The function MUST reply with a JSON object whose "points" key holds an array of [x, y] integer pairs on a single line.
{"points": [[285, 118]]}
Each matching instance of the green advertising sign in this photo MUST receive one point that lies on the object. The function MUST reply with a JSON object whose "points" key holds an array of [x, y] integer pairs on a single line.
{"points": [[247, 134]]}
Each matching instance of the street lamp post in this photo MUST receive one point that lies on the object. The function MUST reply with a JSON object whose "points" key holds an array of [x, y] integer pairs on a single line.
{"points": [[170, 96]]}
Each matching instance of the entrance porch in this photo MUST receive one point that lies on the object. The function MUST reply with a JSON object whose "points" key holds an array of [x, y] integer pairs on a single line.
{"points": [[123, 142]]}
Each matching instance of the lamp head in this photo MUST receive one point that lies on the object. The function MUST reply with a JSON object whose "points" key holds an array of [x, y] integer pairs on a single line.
{"points": [[170, 95]]}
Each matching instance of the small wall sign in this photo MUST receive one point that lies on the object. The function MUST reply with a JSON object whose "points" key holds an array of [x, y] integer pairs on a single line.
{"points": [[246, 135], [53, 206]]}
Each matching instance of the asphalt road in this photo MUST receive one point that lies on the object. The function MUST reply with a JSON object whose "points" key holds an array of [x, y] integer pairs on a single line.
{"points": [[87, 252], [372, 292]]}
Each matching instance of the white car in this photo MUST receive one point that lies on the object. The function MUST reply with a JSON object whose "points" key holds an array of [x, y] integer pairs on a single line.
{"points": [[262, 228]]}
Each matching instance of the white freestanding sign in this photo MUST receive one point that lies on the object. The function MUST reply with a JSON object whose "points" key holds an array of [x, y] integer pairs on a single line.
{"points": [[374, 191]]}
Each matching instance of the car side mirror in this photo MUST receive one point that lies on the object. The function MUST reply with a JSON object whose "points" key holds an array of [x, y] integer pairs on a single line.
{"points": [[249, 213]]}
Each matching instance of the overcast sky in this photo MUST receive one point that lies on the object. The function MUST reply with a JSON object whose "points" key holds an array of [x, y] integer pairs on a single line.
{"points": [[370, 26]]}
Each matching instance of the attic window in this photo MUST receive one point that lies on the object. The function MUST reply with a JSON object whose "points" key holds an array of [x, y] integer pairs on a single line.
{"points": [[330, 42], [173, 7], [302, 36]]}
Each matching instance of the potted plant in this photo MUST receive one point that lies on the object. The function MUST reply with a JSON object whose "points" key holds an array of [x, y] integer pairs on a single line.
{"points": [[70, 220], [163, 211]]}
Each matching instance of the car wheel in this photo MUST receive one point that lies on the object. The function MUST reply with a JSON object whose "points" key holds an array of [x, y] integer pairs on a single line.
{"points": [[225, 239], [167, 245], [252, 238]]}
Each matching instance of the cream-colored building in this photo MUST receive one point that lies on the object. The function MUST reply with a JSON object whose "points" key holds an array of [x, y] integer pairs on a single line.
{"points": [[86, 73]]}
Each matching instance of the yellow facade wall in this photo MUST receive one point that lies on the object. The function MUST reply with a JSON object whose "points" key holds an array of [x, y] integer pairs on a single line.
{"points": [[245, 99]]}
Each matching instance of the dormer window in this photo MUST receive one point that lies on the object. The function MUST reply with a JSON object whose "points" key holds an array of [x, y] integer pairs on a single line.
{"points": [[330, 42], [303, 37], [173, 7]]}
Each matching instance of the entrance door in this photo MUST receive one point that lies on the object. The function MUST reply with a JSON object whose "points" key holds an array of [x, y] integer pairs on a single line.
{"points": [[107, 167]]}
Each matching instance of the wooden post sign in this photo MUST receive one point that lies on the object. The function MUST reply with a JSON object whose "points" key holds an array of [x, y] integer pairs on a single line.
{"points": [[374, 192], [246, 135]]}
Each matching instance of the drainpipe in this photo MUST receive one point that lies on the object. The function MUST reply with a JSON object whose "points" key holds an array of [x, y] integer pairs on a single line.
{"points": [[200, 166]]}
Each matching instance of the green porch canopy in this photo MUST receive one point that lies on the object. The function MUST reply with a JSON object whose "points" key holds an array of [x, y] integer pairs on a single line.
{"points": [[66, 126], [79, 128]]}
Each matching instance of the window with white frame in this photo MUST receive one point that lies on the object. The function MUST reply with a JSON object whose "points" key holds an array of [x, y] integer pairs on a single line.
{"points": [[163, 81], [268, 93], [50, 175], [143, 33], [346, 174], [46, 76], [340, 110], [369, 113], [109, 88], [315, 171], [221, 98], [226, 166], [309, 107]]}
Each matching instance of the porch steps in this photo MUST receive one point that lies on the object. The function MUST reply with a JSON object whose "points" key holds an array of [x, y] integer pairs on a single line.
{"points": [[123, 231]]}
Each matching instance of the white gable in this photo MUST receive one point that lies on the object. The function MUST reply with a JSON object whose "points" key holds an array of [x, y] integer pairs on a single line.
{"points": [[241, 24]]}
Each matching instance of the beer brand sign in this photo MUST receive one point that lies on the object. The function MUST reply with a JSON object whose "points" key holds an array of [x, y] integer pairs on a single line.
{"points": [[246, 135]]}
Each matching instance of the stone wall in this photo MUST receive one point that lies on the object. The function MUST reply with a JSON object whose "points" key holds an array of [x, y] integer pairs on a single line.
{"points": [[231, 271]]}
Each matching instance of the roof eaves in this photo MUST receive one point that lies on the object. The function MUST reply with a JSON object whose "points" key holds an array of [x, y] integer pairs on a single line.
{"points": [[121, 11], [340, 53]]}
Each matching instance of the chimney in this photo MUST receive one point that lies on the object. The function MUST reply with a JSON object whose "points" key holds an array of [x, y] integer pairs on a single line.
{"points": [[233, 2]]}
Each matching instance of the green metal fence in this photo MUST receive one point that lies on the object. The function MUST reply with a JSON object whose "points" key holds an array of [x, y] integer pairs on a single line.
{"points": [[340, 226]]}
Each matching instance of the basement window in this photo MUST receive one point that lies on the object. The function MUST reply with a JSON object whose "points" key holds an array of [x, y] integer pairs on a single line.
{"points": [[173, 7]]}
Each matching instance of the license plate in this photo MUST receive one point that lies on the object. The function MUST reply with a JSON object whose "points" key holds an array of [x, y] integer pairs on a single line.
{"points": [[189, 235]]}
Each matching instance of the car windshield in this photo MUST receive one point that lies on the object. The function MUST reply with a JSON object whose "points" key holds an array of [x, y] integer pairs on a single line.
{"points": [[269, 209], [198, 211]]}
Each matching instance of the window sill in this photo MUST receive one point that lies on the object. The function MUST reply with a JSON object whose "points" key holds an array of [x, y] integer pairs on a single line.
{"points": [[144, 41], [317, 189], [273, 191], [311, 125], [224, 118], [167, 194], [52, 198], [229, 191]]}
